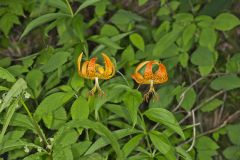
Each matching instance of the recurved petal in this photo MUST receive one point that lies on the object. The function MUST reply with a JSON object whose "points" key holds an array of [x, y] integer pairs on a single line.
{"points": [[91, 67], [79, 60], [109, 67], [138, 78], [141, 65], [148, 74], [161, 76], [84, 69]]}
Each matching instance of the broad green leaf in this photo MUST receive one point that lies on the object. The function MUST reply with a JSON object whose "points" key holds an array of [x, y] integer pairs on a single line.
{"points": [[18, 87], [55, 119], [65, 137], [41, 20], [7, 21], [85, 4], [34, 79], [132, 144], [205, 152], [55, 61], [62, 153], [132, 100], [233, 65], [52, 102], [80, 109], [35, 156], [109, 30], [226, 22], [232, 153], [183, 59], [23, 121], [212, 105], [78, 149], [227, 82], [164, 117], [205, 70], [166, 41], [77, 82], [137, 41], [59, 4], [105, 41], [142, 2], [171, 51], [5, 74], [161, 142], [17, 70], [188, 100], [233, 133], [102, 142], [188, 33], [10, 111], [100, 129], [208, 38], [2, 88], [183, 153], [202, 56], [165, 99]]}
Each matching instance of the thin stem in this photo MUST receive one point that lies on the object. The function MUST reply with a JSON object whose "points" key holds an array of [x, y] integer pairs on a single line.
{"points": [[194, 132], [123, 78], [38, 129], [69, 7]]}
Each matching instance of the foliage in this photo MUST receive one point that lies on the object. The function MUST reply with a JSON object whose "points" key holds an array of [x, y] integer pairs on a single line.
{"points": [[45, 110]]}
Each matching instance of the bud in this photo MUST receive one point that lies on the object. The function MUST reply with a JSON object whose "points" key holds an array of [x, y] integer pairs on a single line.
{"points": [[26, 149]]}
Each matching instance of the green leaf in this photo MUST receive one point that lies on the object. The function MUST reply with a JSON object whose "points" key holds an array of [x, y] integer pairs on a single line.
{"points": [[59, 4], [226, 22], [205, 70], [100, 129], [85, 4], [41, 20], [34, 79], [52, 102], [232, 153], [132, 144], [9, 114], [205, 152], [105, 41], [132, 100], [18, 87], [2, 88], [208, 38], [202, 56], [137, 41], [212, 105], [56, 61], [161, 142], [102, 142], [165, 117], [188, 33], [7, 21], [80, 109], [188, 100], [6, 75], [233, 65], [142, 2], [233, 133], [166, 41], [109, 30], [80, 148], [35, 156], [183, 59], [183, 153], [227, 82]]}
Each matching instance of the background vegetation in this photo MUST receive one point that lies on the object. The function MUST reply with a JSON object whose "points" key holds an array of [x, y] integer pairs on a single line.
{"points": [[45, 112]]}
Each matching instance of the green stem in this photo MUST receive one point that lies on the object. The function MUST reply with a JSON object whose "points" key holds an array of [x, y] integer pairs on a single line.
{"points": [[69, 7], [38, 129]]}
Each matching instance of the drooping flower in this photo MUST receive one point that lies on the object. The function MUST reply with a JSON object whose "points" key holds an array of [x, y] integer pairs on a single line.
{"points": [[91, 70], [149, 77]]}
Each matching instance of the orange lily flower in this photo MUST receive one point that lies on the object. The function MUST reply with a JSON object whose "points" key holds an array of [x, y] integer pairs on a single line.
{"points": [[93, 71], [158, 77]]}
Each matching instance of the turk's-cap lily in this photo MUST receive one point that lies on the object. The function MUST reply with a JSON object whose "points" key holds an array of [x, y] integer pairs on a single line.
{"points": [[91, 70], [149, 77]]}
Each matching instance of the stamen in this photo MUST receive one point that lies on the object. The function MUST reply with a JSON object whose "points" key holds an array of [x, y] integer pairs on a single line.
{"points": [[96, 88], [151, 91]]}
